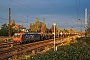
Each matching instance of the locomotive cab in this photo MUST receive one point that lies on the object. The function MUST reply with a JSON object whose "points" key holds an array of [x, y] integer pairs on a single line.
{"points": [[17, 37]]}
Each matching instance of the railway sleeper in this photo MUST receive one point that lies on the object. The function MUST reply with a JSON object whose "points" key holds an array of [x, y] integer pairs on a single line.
{"points": [[40, 49], [34, 51]]}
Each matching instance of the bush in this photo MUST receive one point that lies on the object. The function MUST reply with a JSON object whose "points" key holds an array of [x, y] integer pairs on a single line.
{"points": [[76, 51]]}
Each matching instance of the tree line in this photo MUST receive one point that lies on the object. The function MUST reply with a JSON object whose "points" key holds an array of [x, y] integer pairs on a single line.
{"points": [[39, 27], [4, 30]]}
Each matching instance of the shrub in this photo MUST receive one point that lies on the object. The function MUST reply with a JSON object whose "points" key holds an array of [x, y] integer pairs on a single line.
{"points": [[74, 51]]}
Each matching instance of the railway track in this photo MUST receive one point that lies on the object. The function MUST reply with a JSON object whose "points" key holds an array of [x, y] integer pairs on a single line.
{"points": [[20, 48], [4, 45], [27, 48], [7, 45]]}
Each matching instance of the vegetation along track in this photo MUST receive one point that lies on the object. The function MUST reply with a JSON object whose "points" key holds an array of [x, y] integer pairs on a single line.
{"points": [[19, 49]]}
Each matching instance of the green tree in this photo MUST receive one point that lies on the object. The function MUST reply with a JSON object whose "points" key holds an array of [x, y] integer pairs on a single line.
{"points": [[4, 30], [37, 23], [43, 28], [12, 31], [65, 31], [32, 27]]}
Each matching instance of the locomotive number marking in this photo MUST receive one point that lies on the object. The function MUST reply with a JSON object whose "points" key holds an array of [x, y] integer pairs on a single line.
{"points": [[29, 37]]}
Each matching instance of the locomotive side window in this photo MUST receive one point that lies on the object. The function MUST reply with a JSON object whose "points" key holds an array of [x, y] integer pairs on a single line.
{"points": [[16, 35]]}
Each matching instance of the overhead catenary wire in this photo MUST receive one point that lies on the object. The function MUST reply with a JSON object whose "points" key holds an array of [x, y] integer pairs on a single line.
{"points": [[27, 6], [78, 8], [7, 19], [3, 18], [23, 14], [14, 1], [53, 3], [32, 8], [14, 11], [78, 11], [18, 13]]}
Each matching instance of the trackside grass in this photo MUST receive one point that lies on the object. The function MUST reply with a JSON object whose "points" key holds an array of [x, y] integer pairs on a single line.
{"points": [[74, 51]]}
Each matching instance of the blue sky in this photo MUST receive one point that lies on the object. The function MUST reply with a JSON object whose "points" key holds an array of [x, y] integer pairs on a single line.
{"points": [[64, 12]]}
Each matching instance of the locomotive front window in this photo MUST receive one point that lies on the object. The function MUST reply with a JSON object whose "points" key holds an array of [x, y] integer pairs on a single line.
{"points": [[16, 35]]}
